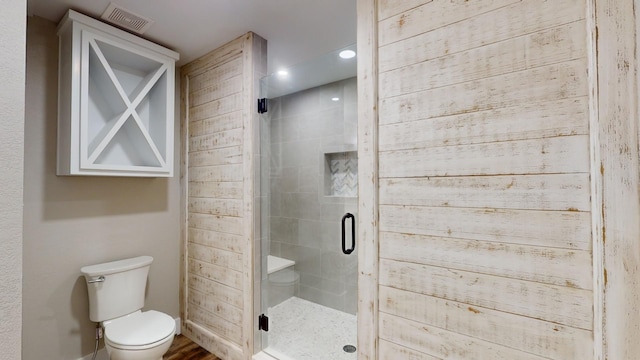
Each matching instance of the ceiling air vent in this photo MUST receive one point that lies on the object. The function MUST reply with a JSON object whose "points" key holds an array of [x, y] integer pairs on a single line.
{"points": [[126, 19]]}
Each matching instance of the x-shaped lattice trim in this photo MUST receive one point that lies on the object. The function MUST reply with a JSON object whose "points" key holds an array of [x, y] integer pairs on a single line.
{"points": [[107, 133]]}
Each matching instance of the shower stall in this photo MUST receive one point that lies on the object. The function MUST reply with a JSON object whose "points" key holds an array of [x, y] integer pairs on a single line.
{"points": [[308, 207]]}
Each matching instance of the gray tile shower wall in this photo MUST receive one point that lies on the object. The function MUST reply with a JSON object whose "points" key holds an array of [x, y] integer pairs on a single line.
{"points": [[307, 129]]}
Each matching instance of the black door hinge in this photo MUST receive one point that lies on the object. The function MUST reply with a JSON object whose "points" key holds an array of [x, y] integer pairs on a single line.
{"points": [[263, 322], [262, 106]]}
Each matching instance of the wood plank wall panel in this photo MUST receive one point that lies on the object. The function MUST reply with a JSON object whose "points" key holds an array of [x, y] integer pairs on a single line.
{"points": [[368, 189], [217, 294], [521, 18], [485, 238], [615, 173]]}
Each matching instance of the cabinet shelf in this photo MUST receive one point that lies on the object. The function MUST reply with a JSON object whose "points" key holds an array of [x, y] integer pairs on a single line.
{"points": [[116, 102]]}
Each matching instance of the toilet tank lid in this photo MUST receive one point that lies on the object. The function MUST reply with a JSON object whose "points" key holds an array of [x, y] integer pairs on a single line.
{"points": [[116, 266]]}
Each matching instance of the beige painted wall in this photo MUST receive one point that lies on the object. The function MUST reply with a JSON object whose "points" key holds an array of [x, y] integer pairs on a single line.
{"points": [[70, 222], [12, 37]]}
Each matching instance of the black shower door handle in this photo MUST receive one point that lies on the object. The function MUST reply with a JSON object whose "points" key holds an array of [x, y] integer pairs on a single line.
{"points": [[353, 233]]}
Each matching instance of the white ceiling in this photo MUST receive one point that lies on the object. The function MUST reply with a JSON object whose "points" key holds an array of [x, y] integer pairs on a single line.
{"points": [[296, 30]]}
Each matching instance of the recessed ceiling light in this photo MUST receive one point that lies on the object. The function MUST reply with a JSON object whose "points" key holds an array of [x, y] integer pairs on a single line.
{"points": [[282, 73], [335, 99], [347, 54]]}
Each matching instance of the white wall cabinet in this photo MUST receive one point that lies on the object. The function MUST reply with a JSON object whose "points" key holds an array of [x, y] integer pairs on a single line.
{"points": [[115, 101]]}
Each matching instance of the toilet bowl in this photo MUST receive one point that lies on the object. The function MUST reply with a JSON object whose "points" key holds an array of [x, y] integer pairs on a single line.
{"points": [[139, 336], [116, 297]]}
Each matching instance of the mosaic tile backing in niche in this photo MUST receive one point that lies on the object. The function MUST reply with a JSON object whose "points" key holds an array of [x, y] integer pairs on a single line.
{"points": [[344, 174]]}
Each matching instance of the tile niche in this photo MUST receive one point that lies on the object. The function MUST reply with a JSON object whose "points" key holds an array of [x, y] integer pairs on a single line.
{"points": [[341, 174]]}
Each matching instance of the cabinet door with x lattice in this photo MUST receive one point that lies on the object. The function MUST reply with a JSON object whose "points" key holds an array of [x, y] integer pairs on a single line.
{"points": [[116, 102]]}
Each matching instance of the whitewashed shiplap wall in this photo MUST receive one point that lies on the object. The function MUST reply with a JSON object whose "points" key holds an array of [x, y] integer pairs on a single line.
{"points": [[497, 141], [484, 196], [218, 98]]}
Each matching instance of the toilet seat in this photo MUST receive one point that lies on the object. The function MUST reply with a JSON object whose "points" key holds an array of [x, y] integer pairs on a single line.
{"points": [[139, 331]]}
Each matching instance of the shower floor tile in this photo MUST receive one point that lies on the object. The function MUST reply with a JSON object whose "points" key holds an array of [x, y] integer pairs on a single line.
{"points": [[303, 330]]}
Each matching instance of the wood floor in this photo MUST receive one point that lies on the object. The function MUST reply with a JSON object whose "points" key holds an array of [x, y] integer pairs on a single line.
{"points": [[185, 349]]}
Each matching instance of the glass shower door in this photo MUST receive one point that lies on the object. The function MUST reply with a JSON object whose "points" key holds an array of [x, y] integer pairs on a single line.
{"points": [[309, 175]]}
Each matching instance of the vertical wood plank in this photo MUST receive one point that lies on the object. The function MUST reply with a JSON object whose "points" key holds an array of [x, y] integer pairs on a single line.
{"points": [[184, 194], [367, 25], [615, 169], [595, 187], [254, 65], [248, 97], [260, 49]]}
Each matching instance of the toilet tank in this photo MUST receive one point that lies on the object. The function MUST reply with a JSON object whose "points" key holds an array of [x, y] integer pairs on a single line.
{"points": [[122, 290]]}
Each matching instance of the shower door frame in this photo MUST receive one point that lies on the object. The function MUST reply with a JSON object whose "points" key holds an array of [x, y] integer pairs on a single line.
{"points": [[367, 221], [345, 201]]}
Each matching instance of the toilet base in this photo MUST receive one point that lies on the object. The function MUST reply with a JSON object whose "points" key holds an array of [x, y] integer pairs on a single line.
{"points": [[155, 353], [118, 358]]}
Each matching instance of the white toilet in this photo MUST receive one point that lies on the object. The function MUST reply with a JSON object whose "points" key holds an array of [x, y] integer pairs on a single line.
{"points": [[116, 297]]}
